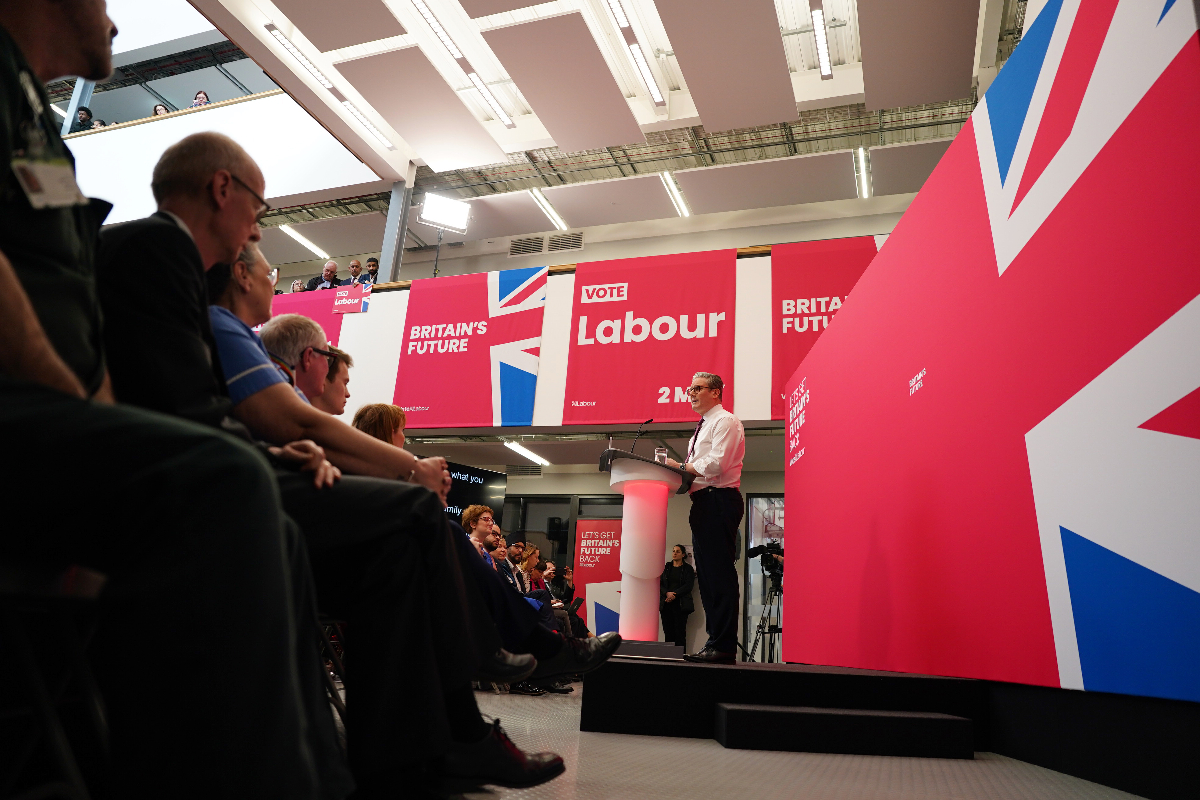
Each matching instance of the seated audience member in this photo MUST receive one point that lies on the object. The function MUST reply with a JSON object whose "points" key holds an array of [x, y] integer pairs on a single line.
{"points": [[377, 545], [326, 280], [291, 341], [531, 556], [478, 522], [160, 110], [372, 270], [357, 277], [99, 124], [297, 285], [337, 379], [200, 99], [181, 519], [385, 422], [511, 565], [83, 120]]}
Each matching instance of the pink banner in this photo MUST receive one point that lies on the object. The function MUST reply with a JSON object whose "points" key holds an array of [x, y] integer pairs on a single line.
{"points": [[809, 284], [598, 572], [314, 305], [471, 349], [640, 327]]}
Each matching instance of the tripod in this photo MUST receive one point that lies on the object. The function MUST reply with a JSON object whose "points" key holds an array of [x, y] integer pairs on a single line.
{"points": [[766, 632]]}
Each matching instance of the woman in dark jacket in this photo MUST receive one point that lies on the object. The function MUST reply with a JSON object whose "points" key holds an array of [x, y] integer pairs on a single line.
{"points": [[675, 596]]}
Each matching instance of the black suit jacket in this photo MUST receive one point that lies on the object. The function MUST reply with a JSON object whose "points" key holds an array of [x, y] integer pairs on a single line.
{"points": [[161, 353], [311, 286]]}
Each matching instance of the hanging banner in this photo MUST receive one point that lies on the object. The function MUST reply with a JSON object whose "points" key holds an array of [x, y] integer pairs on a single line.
{"points": [[640, 327], [598, 572], [317, 306], [809, 283], [471, 348]]}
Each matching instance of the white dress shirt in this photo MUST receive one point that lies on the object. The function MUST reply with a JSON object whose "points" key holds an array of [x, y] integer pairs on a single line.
{"points": [[718, 450]]}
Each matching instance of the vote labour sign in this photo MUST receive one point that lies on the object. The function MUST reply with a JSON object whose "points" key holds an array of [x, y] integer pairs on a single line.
{"points": [[640, 327], [809, 283], [471, 349], [351, 299]]}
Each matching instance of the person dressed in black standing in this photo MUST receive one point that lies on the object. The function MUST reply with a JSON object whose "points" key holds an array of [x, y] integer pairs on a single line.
{"points": [[675, 596]]}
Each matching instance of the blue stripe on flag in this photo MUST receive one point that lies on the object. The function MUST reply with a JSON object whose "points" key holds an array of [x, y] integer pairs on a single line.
{"points": [[517, 390], [511, 279], [1009, 95]]}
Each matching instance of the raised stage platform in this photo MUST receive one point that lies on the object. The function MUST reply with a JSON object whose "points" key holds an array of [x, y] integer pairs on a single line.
{"points": [[1141, 745]]}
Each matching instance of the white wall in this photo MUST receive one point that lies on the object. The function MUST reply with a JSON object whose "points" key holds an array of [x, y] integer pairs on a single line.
{"points": [[295, 154]]}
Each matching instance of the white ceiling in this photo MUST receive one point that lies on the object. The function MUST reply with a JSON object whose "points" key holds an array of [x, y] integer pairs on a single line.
{"points": [[565, 75]]}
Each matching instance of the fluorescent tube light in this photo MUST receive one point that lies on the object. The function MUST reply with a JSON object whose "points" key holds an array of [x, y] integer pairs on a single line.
{"points": [[818, 18], [491, 100], [59, 111], [366, 123], [438, 30], [548, 209], [639, 58], [676, 196], [618, 13], [303, 241], [296, 54], [862, 172], [532, 456], [445, 213]]}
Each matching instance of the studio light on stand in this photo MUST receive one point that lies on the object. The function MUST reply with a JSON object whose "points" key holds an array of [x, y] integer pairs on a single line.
{"points": [[445, 214]]}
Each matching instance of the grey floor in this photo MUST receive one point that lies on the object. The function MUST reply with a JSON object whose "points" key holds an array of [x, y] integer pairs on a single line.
{"points": [[607, 766]]}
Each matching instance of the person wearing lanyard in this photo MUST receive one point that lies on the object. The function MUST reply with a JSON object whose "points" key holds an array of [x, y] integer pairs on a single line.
{"points": [[715, 455]]}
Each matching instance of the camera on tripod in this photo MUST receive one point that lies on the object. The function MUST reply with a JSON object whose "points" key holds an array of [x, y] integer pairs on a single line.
{"points": [[771, 566]]}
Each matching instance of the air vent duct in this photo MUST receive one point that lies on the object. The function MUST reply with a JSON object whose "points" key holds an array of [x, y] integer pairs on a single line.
{"points": [[525, 470], [566, 241], [527, 246]]}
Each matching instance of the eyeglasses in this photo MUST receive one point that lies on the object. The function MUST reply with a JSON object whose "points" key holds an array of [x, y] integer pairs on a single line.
{"points": [[488, 520], [326, 353], [264, 207], [696, 389]]}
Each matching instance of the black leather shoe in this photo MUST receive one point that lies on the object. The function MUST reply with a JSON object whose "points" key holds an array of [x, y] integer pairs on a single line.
{"points": [[575, 604], [710, 656], [497, 760], [506, 667], [524, 687], [580, 655]]}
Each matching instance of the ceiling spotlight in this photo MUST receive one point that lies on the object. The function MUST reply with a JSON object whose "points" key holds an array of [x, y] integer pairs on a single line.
{"points": [[296, 54], [491, 100], [445, 213], [822, 37], [304, 242], [618, 13], [366, 123], [548, 209], [438, 30], [676, 196], [532, 456], [639, 58], [862, 172]]}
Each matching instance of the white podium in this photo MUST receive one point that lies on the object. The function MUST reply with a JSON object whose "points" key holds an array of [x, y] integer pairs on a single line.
{"points": [[647, 486]]}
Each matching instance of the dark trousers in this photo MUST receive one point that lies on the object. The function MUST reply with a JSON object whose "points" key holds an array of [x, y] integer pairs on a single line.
{"points": [[714, 518], [387, 563], [674, 622], [185, 522], [513, 617]]}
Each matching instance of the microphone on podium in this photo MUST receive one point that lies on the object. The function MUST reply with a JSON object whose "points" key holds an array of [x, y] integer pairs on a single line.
{"points": [[639, 433]]}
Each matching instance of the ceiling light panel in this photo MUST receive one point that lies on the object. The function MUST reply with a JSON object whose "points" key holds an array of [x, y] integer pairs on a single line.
{"points": [[299, 57], [529, 454], [567, 82], [734, 63], [800, 39], [303, 242], [548, 210], [452, 31], [822, 41], [332, 26], [619, 201], [637, 53]]}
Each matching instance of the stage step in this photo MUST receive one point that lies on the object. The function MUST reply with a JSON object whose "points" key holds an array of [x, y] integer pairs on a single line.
{"points": [[843, 730], [636, 649]]}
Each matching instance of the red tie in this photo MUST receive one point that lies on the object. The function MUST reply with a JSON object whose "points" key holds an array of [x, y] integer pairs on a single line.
{"points": [[695, 439]]}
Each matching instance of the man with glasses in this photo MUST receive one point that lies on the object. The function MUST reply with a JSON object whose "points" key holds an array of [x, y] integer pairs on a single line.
{"points": [[715, 455], [326, 280]]}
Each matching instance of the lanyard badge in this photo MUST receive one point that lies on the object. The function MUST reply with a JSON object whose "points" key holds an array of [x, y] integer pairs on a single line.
{"points": [[48, 182]]}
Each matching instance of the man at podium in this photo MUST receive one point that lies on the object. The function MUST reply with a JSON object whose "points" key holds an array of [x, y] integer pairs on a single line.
{"points": [[715, 455]]}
